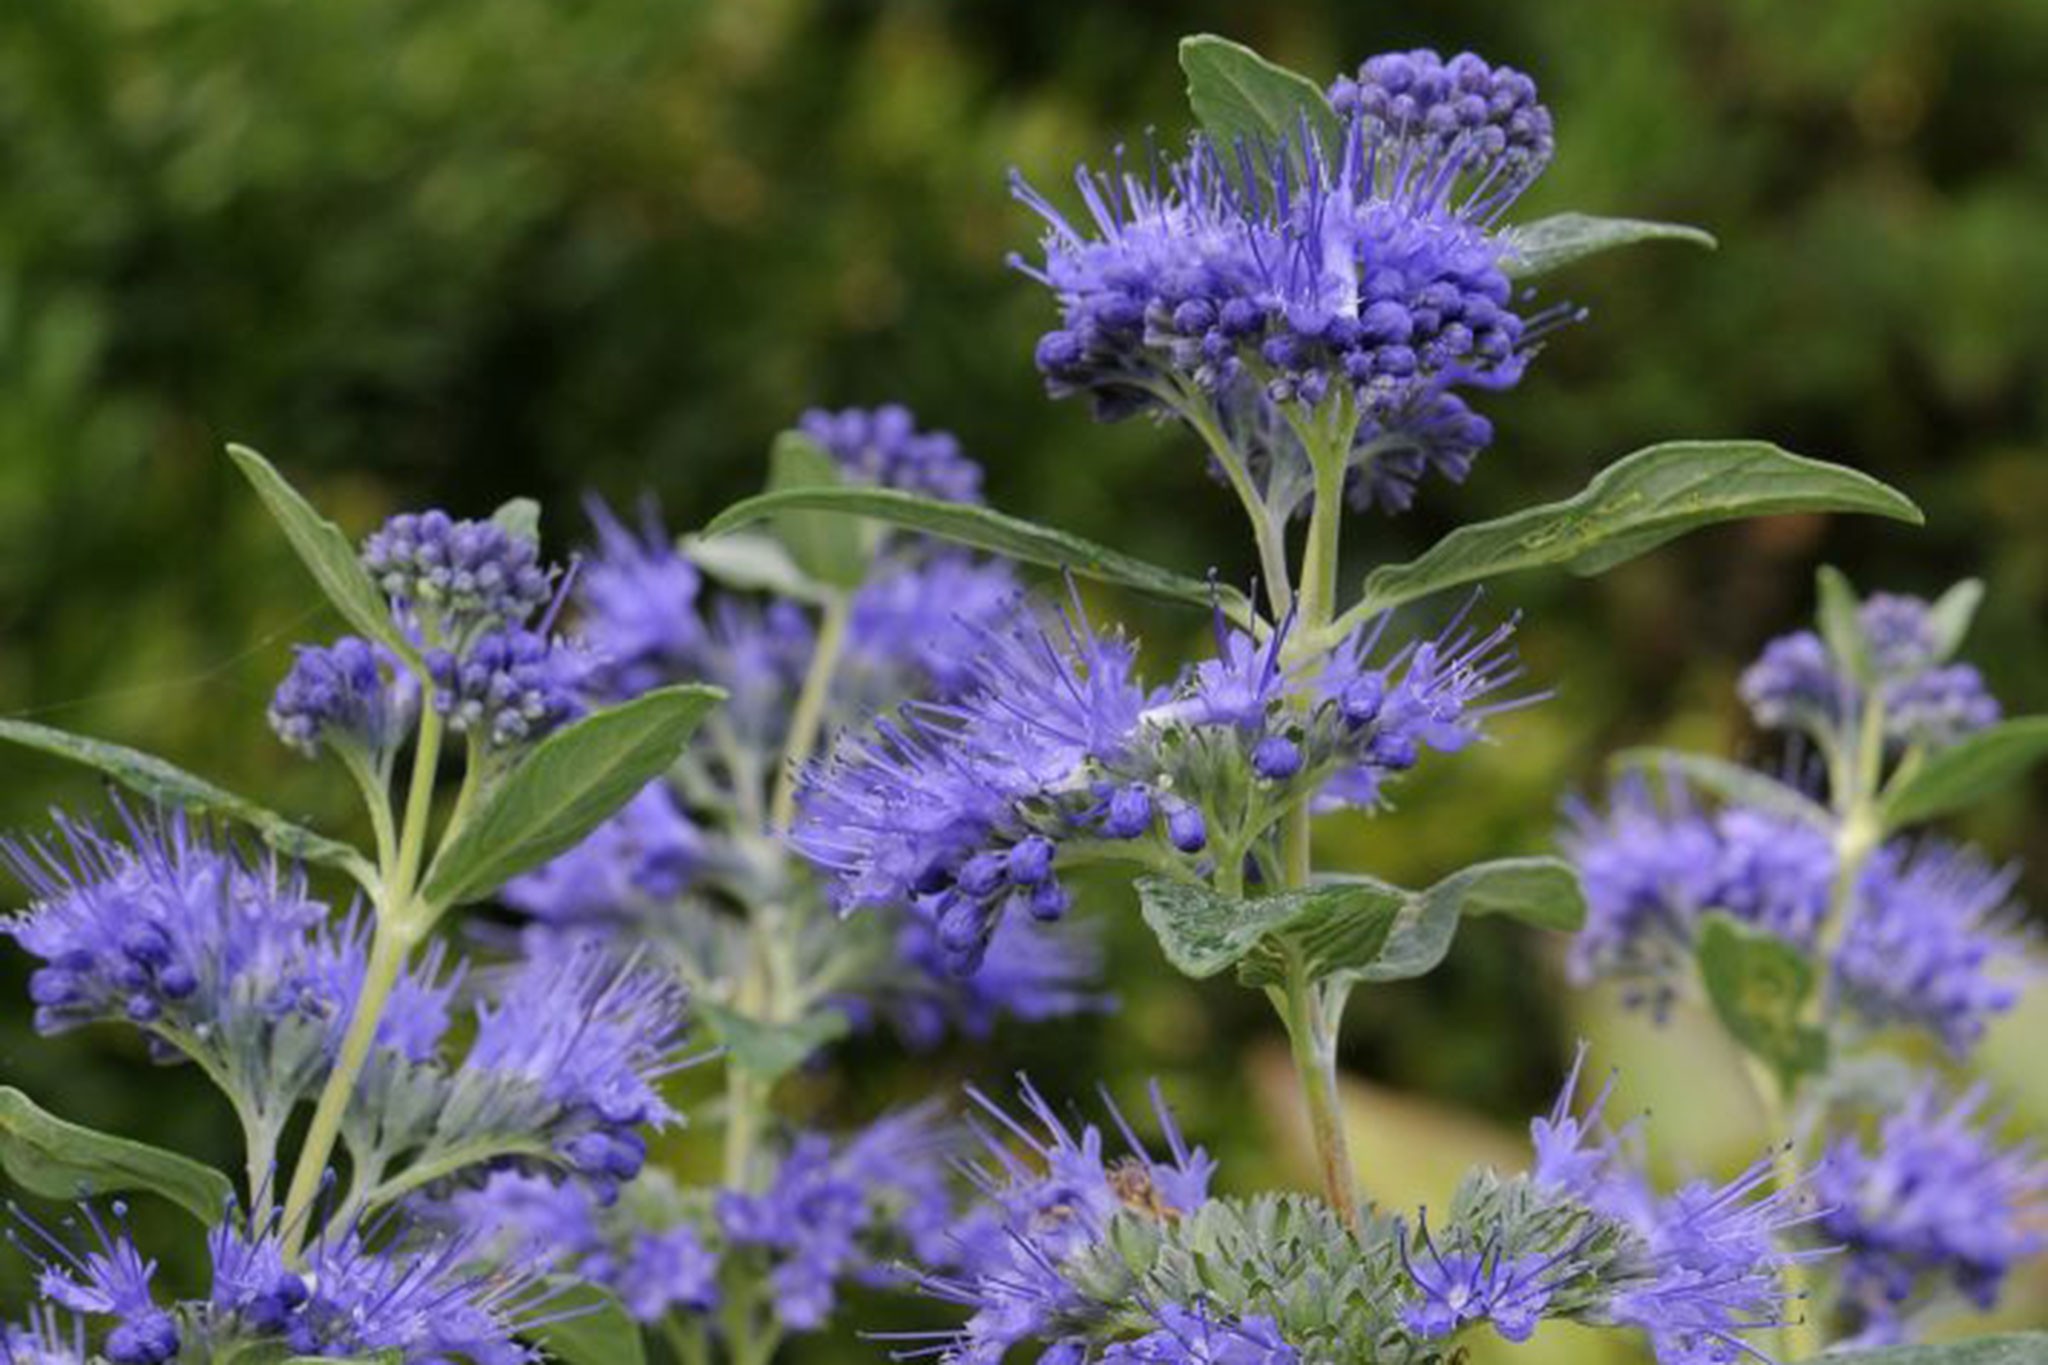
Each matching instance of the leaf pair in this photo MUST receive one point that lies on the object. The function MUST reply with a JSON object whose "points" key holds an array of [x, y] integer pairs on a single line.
{"points": [[1353, 930]]}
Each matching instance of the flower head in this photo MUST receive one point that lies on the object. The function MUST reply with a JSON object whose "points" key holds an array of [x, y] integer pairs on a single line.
{"points": [[509, 687], [351, 692], [454, 578], [1196, 1336], [883, 446], [1293, 272], [1932, 1203], [647, 852], [637, 597], [109, 1278], [1477, 1285]]}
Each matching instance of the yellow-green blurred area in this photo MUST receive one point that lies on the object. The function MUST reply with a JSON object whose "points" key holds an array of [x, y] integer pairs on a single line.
{"points": [[450, 253]]}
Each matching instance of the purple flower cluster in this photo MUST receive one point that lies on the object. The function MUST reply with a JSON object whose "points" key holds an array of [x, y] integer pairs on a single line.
{"points": [[569, 1056], [1461, 115], [1709, 1259], [637, 600], [216, 955], [883, 446], [834, 1209], [508, 687], [1194, 1336], [1797, 683], [350, 692], [453, 578], [1368, 268], [960, 810], [419, 1299], [1050, 1190], [1486, 1285], [1925, 939], [1930, 1204]]}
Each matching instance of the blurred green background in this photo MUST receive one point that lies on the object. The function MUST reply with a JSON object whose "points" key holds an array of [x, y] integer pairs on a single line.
{"points": [[456, 252]]}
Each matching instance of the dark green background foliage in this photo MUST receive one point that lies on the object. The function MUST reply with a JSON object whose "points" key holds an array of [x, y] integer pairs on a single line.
{"points": [[457, 252]]}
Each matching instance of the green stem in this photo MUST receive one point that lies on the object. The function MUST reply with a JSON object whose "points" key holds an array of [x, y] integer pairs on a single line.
{"points": [[808, 719], [1266, 535], [388, 949], [397, 932], [1800, 1338], [1311, 1034]]}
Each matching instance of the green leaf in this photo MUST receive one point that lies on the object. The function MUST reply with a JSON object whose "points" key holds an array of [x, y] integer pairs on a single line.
{"points": [[327, 554], [57, 1159], [1952, 614], [1759, 986], [1966, 771], [1243, 99], [770, 1051], [171, 785], [1841, 622], [2013, 1348], [831, 550], [1730, 781], [520, 519], [1539, 247], [751, 563], [986, 529], [1540, 891], [1353, 929], [1631, 507], [588, 1326], [564, 788]]}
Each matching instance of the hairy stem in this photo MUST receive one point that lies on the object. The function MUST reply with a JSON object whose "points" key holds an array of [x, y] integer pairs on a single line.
{"points": [[391, 943], [808, 719], [1272, 545], [1311, 1034], [388, 949], [1800, 1338]]}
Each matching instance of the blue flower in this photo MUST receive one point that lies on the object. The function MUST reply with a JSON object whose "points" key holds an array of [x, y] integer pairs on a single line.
{"points": [[509, 687], [1651, 871], [108, 1279], [915, 625], [831, 1210], [1049, 1192], [1710, 1263], [50, 1338], [637, 598], [454, 578], [1482, 1285], [420, 1297], [349, 693], [883, 446], [216, 955], [1930, 941], [1195, 1336], [1798, 683], [1930, 1203], [1368, 268], [1031, 972], [569, 1055]]}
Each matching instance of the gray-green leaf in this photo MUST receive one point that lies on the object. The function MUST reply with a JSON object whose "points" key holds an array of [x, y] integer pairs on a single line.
{"points": [[829, 549], [1730, 781], [1353, 929], [1631, 507], [1966, 771], [751, 563], [588, 1326], [1840, 617], [171, 785], [1759, 986], [520, 519], [1538, 247], [1241, 98], [2013, 1348], [986, 529], [770, 1051], [1952, 614], [564, 788], [327, 555], [58, 1159], [1540, 891]]}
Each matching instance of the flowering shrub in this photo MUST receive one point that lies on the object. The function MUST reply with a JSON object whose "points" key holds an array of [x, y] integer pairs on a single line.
{"points": [[750, 791]]}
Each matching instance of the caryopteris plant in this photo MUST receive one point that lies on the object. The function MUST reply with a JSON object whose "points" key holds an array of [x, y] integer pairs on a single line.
{"points": [[878, 827]]}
